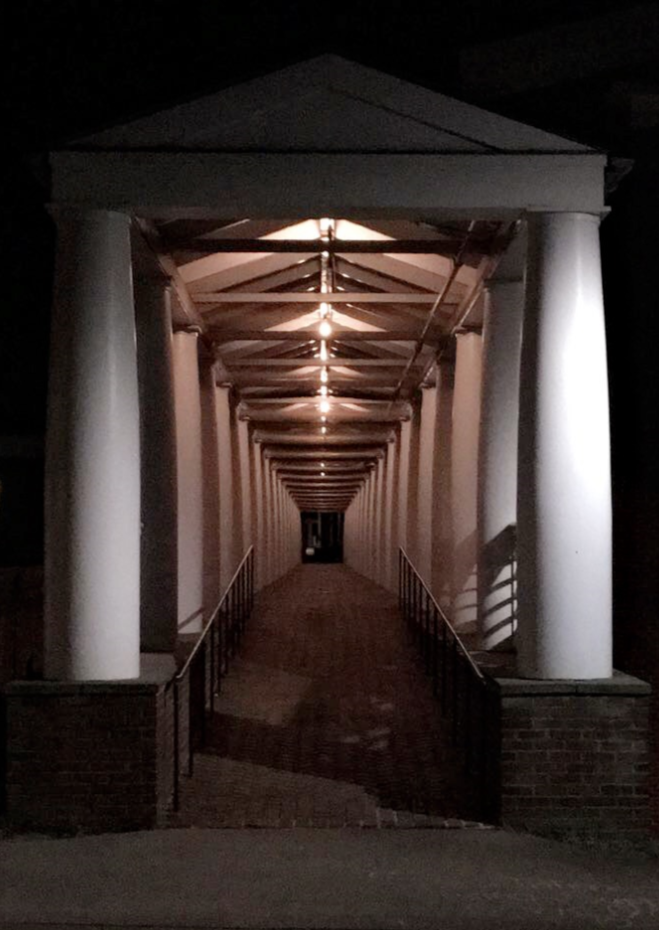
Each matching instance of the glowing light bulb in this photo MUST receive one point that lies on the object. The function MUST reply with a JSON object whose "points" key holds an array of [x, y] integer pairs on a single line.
{"points": [[322, 465], [323, 429], [324, 407], [324, 377], [322, 391], [323, 419], [322, 474], [325, 328], [324, 355]]}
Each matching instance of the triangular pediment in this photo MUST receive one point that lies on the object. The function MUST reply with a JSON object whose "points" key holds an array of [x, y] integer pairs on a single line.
{"points": [[329, 104]]}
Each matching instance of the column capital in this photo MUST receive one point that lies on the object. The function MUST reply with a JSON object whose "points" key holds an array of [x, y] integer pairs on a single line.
{"points": [[534, 215]]}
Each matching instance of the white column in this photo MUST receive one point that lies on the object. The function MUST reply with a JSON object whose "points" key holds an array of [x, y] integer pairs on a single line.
{"points": [[442, 520], [564, 493], [190, 482], [270, 513], [245, 483], [377, 520], [159, 539], [210, 483], [92, 507], [464, 478], [403, 470], [225, 469], [424, 521], [372, 537], [390, 579], [413, 483], [238, 531], [497, 488], [258, 516]]}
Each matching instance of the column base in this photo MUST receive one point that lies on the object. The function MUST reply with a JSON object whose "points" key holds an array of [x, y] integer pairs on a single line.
{"points": [[570, 758], [90, 757]]}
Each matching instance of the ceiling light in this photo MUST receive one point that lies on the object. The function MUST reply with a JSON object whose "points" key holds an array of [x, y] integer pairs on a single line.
{"points": [[322, 391], [325, 328], [323, 429], [324, 407], [324, 377], [324, 355]]}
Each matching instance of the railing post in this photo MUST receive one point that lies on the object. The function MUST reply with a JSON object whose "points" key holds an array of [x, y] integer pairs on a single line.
{"points": [[202, 694], [213, 672], [191, 704], [177, 753], [426, 636], [435, 647], [454, 688], [444, 669]]}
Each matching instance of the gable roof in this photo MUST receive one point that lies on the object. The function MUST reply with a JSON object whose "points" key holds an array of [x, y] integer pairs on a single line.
{"points": [[329, 104]]}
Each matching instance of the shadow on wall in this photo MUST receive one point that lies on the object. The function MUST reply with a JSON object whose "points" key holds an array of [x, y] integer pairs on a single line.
{"points": [[465, 588], [497, 586]]}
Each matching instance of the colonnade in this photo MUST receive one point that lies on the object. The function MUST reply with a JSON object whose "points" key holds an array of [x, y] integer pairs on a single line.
{"points": [[154, 488], [499, 484]]}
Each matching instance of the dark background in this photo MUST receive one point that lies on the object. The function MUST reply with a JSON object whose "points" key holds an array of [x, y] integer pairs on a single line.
{"points": [[587, 70]]}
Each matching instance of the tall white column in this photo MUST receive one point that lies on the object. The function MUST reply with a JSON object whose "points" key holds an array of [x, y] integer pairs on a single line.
{"points": [[372, 517], [258, 515], [238, 533], [413, 484], [564, 491], [92, 560], [442, 562], [190, 482], [245, 483], [270, 522], [377, 519], [225, 468], [464, 478], [424, 523], [159, 504], [403, 471], [497, 487], [390, 571], [210, 483]]}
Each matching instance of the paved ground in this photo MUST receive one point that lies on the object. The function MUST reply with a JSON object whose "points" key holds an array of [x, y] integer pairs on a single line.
{"points": [[301, 878], [326, 718]]}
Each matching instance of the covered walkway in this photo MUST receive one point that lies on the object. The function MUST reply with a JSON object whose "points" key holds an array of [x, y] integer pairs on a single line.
{"points": [[326, 718], [327, 292]]}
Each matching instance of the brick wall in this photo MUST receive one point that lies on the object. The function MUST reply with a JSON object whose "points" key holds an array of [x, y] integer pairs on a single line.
{"points": [[573, 758], [88, 757]]}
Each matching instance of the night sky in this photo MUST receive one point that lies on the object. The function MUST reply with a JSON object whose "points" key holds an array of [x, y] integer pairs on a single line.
{"points": [[73, 66]]}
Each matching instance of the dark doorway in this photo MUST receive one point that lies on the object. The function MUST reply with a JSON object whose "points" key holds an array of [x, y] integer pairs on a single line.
{"points": [[322, 536]]}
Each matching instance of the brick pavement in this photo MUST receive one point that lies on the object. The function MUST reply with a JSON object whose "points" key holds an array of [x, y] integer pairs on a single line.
{"points": [[326, 718]]}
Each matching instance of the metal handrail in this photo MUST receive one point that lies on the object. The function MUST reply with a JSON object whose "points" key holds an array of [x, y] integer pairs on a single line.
{"points": [[444, 618], [204, 631], [458, 683], [204, 668]]}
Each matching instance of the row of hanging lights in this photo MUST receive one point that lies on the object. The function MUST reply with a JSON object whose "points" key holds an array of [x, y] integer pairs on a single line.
{"points": [[325, 317]]}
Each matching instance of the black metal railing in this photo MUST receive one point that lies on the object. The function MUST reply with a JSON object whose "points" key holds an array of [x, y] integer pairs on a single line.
{"points": [[198, 681], [459, 685]]}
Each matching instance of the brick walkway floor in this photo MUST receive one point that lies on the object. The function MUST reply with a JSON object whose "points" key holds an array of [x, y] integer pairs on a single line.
{"points": [[325, 719]]}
